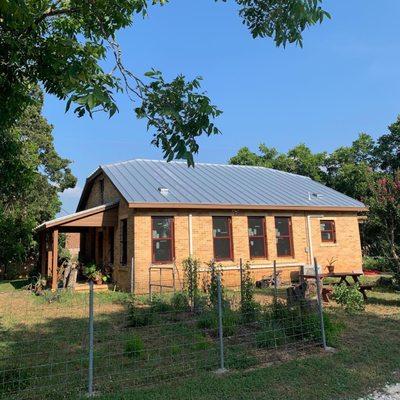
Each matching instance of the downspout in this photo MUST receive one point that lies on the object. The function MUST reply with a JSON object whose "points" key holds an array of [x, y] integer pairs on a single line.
{"points": [[190, 235], [310, 244]]}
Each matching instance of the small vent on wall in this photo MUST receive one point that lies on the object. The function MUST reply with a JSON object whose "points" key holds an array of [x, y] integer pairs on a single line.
{"points": [[164, 191]]}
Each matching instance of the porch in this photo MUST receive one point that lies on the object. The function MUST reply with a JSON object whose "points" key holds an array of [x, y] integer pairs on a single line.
{"points": [[96, 228]]}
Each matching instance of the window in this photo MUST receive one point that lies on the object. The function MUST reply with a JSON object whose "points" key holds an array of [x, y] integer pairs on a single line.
{"points": [[284, 240], [101, 182], [124, 241], [257, 237], [328, 233], [162, 239], [222, 234]]}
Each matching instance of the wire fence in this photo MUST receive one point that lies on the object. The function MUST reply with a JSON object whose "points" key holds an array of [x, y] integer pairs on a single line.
{"points": [[68, 344]]}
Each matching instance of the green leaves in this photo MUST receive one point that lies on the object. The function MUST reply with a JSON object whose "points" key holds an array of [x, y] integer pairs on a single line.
{"points": [[61, 44], [178, 113], [31, 175], [282, 20]]}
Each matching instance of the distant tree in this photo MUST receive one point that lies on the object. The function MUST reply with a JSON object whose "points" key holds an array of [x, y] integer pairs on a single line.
{"points": [[384, 218], [387, 151], [61, 45], [299, 160], [31, 175], [367, 170]]}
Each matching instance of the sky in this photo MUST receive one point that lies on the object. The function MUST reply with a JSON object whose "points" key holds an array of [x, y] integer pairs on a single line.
{"points": [[345, 80]]}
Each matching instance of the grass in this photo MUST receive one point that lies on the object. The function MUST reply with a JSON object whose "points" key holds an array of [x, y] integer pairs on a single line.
{"points": [[367, 357], [44, 347], [10, 286]]}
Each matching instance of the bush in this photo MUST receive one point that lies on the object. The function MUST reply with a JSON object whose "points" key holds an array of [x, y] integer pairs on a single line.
{"points": [[248, 307], [160, 305], [209, 320], [349, 297], [134, 347], [180, 302], [139, 316], [282, 325], [373, 263], [191, 281]]}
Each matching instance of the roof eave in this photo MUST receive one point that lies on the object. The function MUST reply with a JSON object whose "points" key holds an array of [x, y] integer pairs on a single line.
{"points": [[246, 207], [77, 215]]}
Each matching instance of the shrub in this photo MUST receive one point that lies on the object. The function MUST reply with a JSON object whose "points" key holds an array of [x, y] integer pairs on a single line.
{"points": [[209, 320], [191, 281], [248, 307], [134, 347], [282, 325], [212, 285], [160, 305], [272, 334], [200, 342], [180, 302], [349, 297], [139, 316]]}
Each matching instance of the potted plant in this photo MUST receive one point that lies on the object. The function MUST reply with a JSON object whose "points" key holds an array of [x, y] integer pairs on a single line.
{"points": [[93, 273], [330, 267]]}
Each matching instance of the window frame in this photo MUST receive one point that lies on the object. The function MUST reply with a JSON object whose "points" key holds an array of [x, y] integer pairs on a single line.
{"points": [[290, 236], [264, 237], [332, 231], [170, 238], [123, 242], [230, 237]]}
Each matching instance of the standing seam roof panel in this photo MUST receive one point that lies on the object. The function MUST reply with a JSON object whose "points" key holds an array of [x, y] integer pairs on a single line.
{"points": [[139, 180]]}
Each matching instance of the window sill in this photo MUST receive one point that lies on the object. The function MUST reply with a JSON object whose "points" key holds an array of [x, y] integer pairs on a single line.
{"points": [[329, 244]]}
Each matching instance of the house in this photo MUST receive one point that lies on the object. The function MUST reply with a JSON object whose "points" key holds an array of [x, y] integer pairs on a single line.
{"points": [[144, 217]]}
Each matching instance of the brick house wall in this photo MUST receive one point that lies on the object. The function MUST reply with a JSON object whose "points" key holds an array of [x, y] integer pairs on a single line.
{"points": [[346, 249], [111, 194]]}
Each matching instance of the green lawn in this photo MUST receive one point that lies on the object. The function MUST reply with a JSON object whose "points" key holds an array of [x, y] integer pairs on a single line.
{"points": [[43, 353]]}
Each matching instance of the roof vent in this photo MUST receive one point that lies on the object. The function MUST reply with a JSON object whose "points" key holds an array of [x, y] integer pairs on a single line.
{"points": [[313, 196], [164, 191]]}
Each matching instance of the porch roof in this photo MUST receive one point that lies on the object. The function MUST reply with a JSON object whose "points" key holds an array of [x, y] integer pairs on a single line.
{"points": [[104, 215]]}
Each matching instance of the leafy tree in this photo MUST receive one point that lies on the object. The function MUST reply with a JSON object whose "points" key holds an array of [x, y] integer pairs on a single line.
{"points": [[387, 151], [367, 170], [384, 218], [61, 45], [32, 175], [299, 160]]}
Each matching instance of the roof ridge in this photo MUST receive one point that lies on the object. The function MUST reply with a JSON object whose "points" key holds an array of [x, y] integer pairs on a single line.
{"points": [[203, 163]]}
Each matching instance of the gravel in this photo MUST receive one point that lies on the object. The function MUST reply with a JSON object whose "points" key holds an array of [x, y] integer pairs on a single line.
{"points": [[389, 392]]}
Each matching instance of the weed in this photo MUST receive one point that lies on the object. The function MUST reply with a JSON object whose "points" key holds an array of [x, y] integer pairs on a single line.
{"points": [[134, 347], [180, 302]]}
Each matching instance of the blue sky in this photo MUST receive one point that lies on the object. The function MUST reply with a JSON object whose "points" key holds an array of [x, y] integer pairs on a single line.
{"points": [[345, 80]]}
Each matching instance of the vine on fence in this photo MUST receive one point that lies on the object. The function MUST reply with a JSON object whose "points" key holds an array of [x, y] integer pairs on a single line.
{"points": [[249, 308], [212, 285], [191, 281]]}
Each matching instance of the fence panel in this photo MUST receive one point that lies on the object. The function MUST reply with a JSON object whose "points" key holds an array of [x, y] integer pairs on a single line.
{"points": [[43, 345], [44, 350]]}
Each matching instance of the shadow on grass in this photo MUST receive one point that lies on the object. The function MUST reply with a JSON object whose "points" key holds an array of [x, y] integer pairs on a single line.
{"points": [[383, 301], [13, 284]]}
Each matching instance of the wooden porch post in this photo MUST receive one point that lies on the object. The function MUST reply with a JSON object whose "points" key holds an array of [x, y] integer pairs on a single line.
{"points": [[43, 253], [54, 280]]}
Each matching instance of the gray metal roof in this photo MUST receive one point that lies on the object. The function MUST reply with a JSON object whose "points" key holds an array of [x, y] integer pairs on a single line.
{"points": [[140, 181]]}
